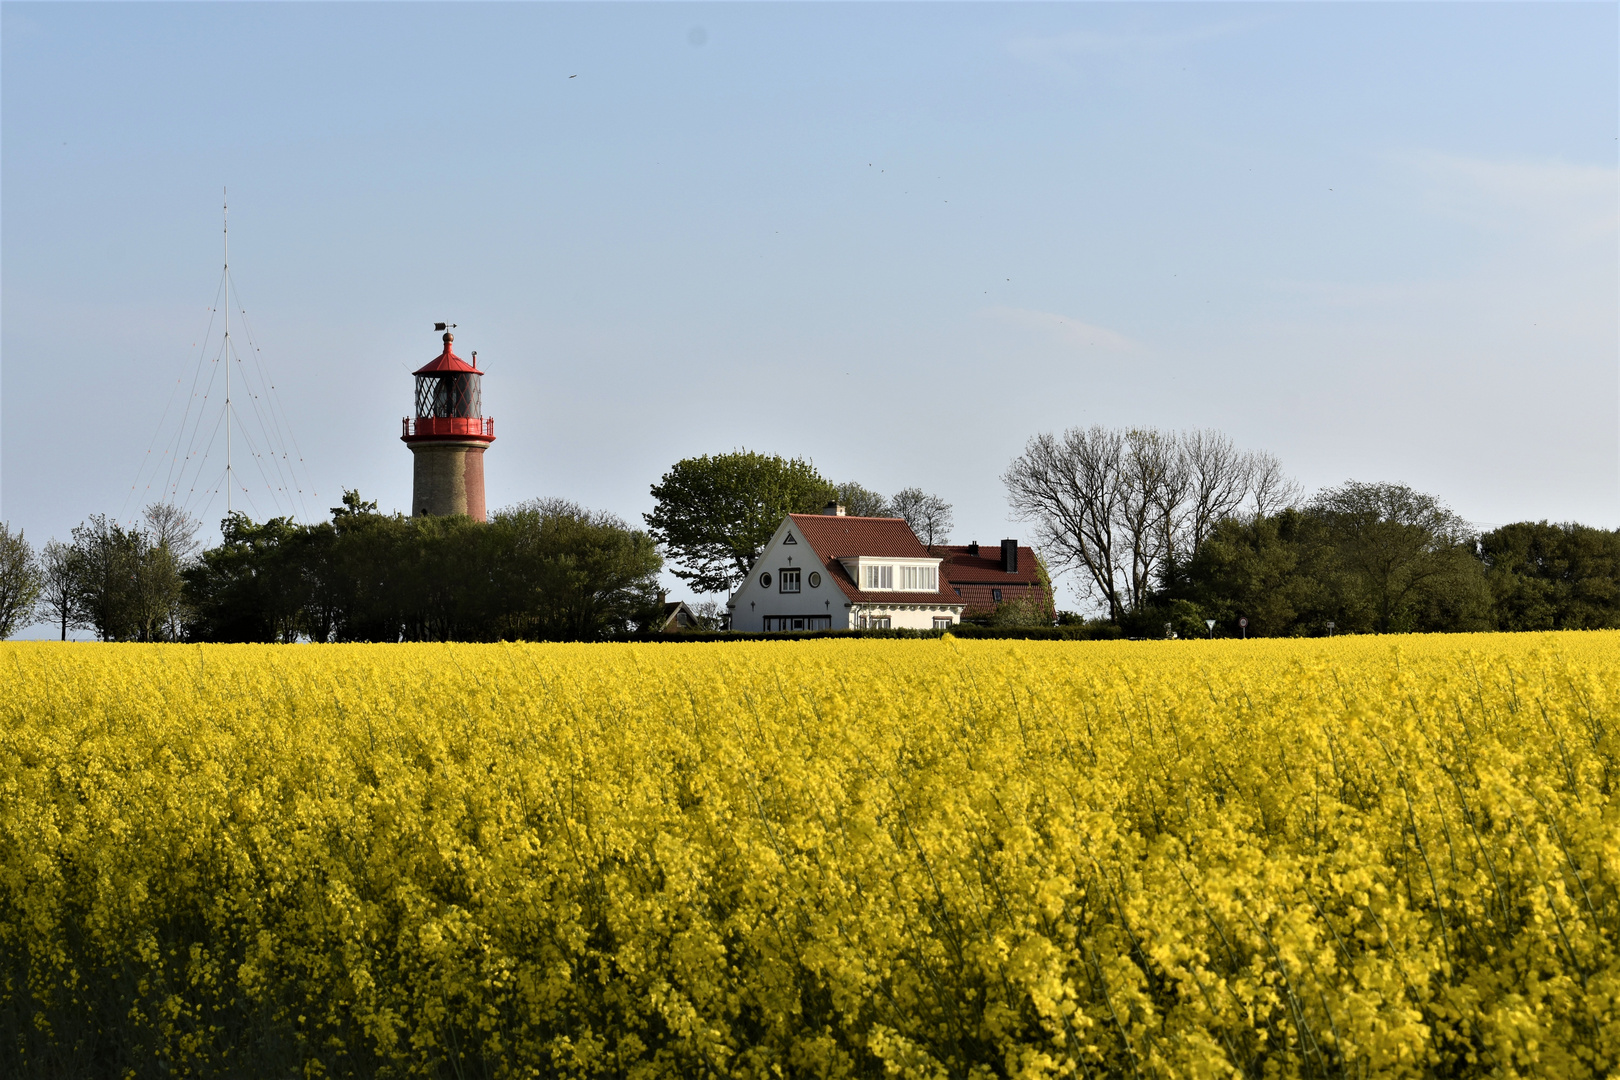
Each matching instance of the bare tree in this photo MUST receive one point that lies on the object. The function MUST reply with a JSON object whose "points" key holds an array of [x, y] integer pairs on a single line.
{"points": [[1270, 489], [928, 515], [19, 580], [1071, 488], [1125, 508], [61, 599], [1219, 477], [1153, 489], [169, 526]]}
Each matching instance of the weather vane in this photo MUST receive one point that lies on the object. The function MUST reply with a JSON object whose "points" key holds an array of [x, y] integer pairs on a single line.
{"points": [[444, 326]]}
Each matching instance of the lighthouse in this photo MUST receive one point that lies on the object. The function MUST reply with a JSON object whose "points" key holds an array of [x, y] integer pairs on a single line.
{"points": [[448, 436]]}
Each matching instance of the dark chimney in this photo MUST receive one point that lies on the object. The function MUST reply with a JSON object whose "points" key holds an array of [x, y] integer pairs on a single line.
{"points": [[973, 548], [1009, 556], [832, 509]]}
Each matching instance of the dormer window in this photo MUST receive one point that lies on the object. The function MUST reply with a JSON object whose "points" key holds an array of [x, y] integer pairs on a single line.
{"points": [[919, 578], [902, 578]]}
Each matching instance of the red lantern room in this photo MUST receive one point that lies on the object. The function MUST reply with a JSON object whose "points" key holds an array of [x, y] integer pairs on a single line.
{"points": [[448, 436]]}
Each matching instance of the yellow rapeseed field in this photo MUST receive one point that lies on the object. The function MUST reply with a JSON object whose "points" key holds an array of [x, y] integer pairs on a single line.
{"points": [[1357, 857]]}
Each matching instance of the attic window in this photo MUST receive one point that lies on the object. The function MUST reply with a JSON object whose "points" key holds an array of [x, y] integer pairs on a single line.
{"points": [[789, 539], [995, 594]]}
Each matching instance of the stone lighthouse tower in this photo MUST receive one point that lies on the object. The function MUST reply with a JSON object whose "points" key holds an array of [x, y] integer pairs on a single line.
{"points": [[448, 437]]}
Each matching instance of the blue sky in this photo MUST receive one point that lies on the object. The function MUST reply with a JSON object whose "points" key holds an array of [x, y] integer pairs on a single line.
{"points": [[1378, 240]]}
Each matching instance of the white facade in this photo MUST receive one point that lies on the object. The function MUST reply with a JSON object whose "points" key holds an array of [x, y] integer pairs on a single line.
{"points": [[902, 616], [788, 589], [804, 596]]}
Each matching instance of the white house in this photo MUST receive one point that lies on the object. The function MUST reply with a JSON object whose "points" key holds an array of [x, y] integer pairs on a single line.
{"points": [[829, 571]]}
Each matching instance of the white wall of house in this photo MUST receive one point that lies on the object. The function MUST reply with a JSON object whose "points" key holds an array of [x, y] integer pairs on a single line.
{"points": [[903, 616], [817, 597]]}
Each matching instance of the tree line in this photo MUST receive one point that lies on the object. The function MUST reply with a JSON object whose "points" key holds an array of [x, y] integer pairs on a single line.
{"points": [[545, 569], [1165, 530], [1159, 530]]}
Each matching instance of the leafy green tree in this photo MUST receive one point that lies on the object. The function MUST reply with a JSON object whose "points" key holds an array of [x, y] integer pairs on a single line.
{"points": [[128, 581], [1409, 557], [247, 588], [572, 573], [106, 556], [1279, 572], [20, 580], [859, 501], [1553, 577], [714, 514]]}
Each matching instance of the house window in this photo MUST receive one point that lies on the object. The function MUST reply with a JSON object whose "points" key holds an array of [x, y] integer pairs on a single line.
{"points": [[918, 578], [958, 592], [815, 580], [765, 579], [880, 577], [789, 579], [995, 594], [787, 624], [942, 622], [876, 622]]}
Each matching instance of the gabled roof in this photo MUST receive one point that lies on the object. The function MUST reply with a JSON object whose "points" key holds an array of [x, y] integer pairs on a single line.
{"points": [[834, 538], [446, 362], [846, 537]]}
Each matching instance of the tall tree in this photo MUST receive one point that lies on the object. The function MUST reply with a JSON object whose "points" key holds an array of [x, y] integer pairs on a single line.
{"points": [[1408, 555], [20, 580], [106, 556], [61, 600], [928, 515], [714, 514], [1071, 488]]}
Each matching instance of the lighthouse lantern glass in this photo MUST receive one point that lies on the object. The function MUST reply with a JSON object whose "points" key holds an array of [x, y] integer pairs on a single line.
{"points": [[448, 395]]}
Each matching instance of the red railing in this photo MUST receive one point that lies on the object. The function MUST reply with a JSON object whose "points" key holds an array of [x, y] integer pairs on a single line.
{"points": [[477, 426]]}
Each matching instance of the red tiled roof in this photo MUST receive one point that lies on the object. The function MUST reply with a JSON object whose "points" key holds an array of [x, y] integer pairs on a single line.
{"points": [[985, 568], [976, 575], [446, 361], [981, 596], [844, 537], [833, 538]]}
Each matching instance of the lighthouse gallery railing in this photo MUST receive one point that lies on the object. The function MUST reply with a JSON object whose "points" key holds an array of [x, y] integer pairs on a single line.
{"points": [[481, 426]]}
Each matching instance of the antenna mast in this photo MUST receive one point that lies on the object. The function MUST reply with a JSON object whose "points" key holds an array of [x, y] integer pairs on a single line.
{"points": [[230, 477]]}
